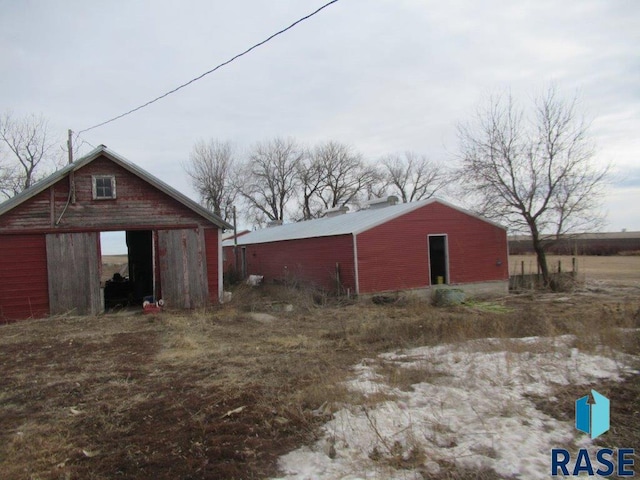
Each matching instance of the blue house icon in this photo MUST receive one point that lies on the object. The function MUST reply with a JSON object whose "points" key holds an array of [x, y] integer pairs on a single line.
{"points": [[592, 419]]}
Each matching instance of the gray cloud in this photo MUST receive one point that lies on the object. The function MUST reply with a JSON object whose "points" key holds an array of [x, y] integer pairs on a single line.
{"points": [[383, 76]]}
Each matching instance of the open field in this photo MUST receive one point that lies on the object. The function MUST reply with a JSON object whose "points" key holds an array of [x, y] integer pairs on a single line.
{"points": [[115, 259], [618, 269], [224, 393], [112, 264]]}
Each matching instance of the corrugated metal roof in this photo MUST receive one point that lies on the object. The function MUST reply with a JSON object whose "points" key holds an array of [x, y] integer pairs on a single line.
{"points": [[124, 163], [349, 223]]}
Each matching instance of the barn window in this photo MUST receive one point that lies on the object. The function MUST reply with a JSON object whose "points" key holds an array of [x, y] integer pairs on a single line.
{"points": [[104, 187]]}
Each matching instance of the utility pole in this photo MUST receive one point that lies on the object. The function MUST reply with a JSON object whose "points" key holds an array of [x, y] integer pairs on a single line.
{"points": [[235, 241], [72, 180], [70, 146]]}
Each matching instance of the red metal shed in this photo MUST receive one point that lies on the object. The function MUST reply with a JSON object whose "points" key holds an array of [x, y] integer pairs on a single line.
{"points": [[50, 258], [381, 249]]}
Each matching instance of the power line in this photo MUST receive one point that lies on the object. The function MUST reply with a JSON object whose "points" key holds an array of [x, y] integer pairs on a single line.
{"points": [[213, 69], [84, 140]]}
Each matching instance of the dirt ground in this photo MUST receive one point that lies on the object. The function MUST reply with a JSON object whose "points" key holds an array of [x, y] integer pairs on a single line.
{"points": [[221, 394]]}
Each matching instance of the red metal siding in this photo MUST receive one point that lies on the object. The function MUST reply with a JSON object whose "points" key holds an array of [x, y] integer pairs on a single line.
{"points": [[23, 277], [137, 204], [228, 261], [394, 255], [211, 248], [309, 260]]}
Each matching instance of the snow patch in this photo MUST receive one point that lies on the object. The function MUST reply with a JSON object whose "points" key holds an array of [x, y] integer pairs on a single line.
{"points": [[475, 414]]}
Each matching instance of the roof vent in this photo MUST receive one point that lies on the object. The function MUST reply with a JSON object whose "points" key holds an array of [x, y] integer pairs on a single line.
{"points": [[274, 223], [382, 202], [334, 212]]}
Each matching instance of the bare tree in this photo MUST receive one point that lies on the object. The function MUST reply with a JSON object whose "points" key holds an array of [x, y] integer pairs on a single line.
{"points": [[537, 173], [211, 168], [413, 176], [30, 149], [347, 175], [9, 179], [270, 178], [379, 185], [312, 174]]}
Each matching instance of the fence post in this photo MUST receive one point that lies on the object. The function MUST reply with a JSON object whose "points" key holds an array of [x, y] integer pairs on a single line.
{"points": [[559, 266]]}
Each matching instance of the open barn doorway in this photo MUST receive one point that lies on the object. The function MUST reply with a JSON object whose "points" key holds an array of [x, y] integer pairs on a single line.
{"points": [[438, 259], [127, 267]]}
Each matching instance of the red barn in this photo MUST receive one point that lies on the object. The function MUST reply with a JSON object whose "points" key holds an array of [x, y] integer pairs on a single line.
{"points": [[383, 248], [50, 256]]}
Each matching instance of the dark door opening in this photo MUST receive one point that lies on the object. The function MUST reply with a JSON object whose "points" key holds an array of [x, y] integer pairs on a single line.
{"points": [[131, 282], [438, 261], [140, 247]]}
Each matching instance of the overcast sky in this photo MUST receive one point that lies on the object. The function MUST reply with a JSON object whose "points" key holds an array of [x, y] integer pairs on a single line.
{"points": [[383, 76]]}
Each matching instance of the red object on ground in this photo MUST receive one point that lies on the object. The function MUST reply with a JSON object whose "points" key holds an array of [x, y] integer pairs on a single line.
{"points": [[151, 308]]}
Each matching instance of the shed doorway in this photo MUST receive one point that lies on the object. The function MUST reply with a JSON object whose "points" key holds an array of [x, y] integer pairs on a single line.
{"points": [[130, 276], [438, 259]]}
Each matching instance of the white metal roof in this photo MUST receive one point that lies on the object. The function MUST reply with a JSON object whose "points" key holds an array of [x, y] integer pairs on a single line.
{"points": [[349, 223]]}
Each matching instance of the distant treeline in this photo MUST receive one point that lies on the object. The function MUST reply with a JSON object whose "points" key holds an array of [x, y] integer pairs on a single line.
{"points": [[585, 244]]}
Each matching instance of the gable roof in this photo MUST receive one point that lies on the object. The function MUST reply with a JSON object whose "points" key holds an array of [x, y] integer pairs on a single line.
{"points": [[348, 223], [124, 163]]}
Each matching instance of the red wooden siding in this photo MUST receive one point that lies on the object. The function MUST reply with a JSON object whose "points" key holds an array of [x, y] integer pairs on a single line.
{"points": [[137, 204], [211, 246], [23, 277], [395, 255], [184, 236], [309, 260]]}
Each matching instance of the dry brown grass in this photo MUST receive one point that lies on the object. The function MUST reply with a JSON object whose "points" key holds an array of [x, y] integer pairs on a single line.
{"points": [[219, 394]]}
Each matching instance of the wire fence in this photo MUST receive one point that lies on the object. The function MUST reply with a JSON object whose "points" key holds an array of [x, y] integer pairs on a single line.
{"points": [[526, 274]]}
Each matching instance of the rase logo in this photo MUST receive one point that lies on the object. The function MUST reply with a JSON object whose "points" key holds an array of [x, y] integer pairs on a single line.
{"points": [[592, 418]]}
